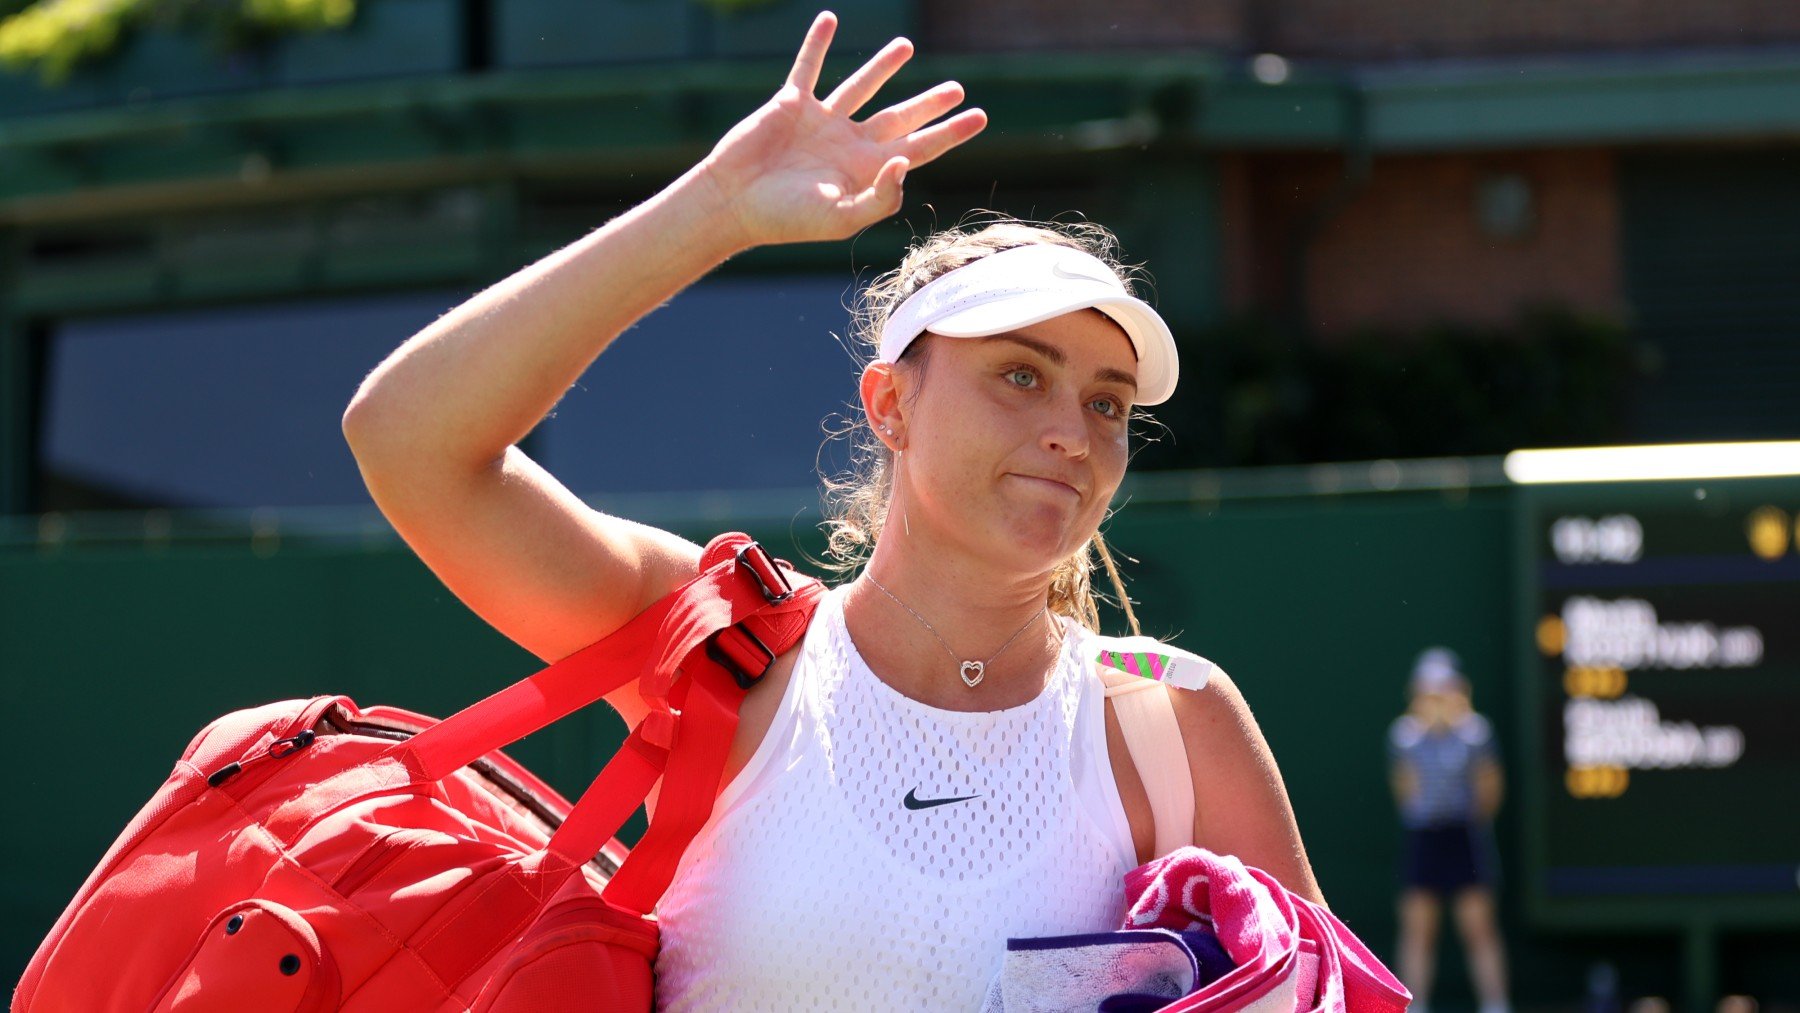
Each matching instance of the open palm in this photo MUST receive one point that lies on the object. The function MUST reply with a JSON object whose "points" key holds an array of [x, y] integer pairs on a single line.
{"points": [[799, 168]]}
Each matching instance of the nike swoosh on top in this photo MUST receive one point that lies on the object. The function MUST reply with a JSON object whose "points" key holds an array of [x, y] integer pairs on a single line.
{"points": [[913, 801]]}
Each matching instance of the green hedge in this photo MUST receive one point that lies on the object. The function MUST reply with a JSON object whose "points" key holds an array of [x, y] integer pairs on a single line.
{"points": [[55, 37]]}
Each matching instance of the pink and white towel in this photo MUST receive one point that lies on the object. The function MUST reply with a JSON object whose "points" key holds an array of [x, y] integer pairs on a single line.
{"points": [[1276, 952], [1292, 956]]}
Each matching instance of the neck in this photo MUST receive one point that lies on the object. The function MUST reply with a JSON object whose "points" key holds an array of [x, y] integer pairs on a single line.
{"points": [[973, 608]]}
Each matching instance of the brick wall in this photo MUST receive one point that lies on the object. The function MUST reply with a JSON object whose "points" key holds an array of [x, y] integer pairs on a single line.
{"points": [[1406, 247], [1356, 29], [995, 25], [1377, 29]]}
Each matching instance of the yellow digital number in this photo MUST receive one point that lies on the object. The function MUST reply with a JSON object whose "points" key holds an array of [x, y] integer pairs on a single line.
{"points": [[1599, 683], [1597, 782]]}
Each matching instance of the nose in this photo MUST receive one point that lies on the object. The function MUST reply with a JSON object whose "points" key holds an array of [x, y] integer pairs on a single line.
{"points": [[1065, 429]]}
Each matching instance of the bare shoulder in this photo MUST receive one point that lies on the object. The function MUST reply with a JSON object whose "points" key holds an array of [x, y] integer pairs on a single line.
{"points": [[1216, 718], [1241, 804]]}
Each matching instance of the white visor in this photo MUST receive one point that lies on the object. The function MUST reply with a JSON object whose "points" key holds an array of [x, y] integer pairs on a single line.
{"points": [[1030, 284]]}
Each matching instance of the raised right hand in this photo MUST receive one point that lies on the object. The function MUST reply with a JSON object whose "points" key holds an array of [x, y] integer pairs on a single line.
{"points": [[800, 169]]}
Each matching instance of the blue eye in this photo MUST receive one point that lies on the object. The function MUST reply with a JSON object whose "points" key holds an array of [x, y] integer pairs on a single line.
{"points": [[1113, 408], [1013, 376]]}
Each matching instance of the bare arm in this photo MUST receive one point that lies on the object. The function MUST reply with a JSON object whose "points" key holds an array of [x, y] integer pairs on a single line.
{"points": [[1489, 787], [1404, 780], [1241, 805], [434, 427]]}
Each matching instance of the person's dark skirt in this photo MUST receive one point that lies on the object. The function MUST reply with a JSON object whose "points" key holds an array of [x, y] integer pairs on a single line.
{"points": [[1447, 858]]}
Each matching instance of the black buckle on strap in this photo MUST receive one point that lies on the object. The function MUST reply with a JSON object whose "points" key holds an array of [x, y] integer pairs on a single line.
{"points": [[774, 583], [720, 650]]}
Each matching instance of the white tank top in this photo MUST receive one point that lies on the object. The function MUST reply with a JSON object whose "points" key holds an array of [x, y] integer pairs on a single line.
{"points": [[815, 887]]}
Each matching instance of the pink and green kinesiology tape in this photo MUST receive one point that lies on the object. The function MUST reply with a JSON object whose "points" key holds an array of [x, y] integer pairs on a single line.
{"points": [[1143, 663], [1151, 659]]}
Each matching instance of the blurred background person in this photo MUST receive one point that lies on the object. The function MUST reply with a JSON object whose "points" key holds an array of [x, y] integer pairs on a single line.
{"points": [[1447, 783]]}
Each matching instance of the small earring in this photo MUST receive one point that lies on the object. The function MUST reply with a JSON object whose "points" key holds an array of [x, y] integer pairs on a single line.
{"points": [[888, 430]]}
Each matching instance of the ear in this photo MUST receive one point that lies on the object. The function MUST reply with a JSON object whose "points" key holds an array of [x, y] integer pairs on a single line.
{"points": [[883, 390]]}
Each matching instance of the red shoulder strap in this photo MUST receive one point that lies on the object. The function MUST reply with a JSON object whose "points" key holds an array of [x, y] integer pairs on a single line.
{"points": [[703, 708], [693, 654]]}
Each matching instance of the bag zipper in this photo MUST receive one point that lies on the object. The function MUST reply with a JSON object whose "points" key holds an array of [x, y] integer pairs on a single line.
{"points": [[280, 749], [607, 861], [192, 790], [383, 852]]}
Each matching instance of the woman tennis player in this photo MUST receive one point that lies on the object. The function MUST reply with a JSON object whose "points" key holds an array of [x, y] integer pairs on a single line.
{"points": [[934, 768]]}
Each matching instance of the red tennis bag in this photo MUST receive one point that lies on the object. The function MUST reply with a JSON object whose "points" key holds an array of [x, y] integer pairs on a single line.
{"points": [[311, 855]]}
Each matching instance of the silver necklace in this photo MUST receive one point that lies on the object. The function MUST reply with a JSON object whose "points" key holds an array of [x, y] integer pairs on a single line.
{"points": [[972, 672]]}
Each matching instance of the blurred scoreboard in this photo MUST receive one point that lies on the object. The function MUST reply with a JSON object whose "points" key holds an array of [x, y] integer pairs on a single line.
{"points": [[1662, 698]]}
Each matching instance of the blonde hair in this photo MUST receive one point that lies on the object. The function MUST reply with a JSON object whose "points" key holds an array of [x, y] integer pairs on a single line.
{"points": [[857, 501]]}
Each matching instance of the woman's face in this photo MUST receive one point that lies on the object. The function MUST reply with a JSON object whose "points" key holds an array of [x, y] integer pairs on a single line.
{"points": [[1015, 444]]}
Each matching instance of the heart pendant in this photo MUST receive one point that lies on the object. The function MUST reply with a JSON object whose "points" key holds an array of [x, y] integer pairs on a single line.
{"points": [[975, 667]]}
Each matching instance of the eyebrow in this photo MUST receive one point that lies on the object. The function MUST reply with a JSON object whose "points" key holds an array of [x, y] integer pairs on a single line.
{"points": [[1056, 357]]}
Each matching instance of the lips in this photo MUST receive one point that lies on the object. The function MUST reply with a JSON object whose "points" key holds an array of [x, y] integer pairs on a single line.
{"points": [[1055, 483]]}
